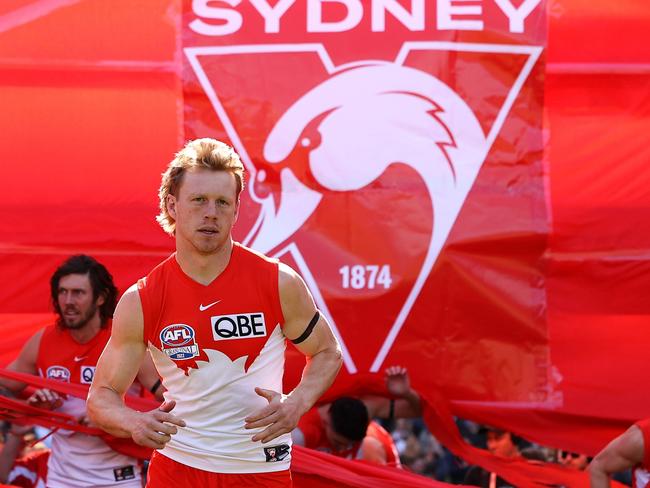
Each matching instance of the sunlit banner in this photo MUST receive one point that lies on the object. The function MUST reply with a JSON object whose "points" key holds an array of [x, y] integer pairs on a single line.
{"points": [[394, 159]]}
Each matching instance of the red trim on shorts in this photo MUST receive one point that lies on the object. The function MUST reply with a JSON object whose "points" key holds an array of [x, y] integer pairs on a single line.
{"points": [[165, 472]]}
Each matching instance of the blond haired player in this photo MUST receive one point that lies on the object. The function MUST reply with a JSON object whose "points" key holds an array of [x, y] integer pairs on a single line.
{"points": [[215, 317]]}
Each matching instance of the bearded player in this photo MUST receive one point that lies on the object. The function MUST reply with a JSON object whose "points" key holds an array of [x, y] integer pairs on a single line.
{"points": [[215, 317], [84, 297]]}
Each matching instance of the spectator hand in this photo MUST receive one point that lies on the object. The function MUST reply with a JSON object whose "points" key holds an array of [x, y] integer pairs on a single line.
{"points": [[155, 428], [397, 381], [280, 416], [46, 399]]}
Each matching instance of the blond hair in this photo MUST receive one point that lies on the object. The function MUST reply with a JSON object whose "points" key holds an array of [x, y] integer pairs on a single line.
{"points": [[199, 153]]}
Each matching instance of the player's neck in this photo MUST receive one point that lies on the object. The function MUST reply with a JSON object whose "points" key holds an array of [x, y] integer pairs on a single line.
{"points": [[88, 331], [203, 268]]}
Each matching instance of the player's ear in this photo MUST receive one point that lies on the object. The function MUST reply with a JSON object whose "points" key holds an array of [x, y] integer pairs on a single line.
{"points": [[237, 209], [170, 202]]}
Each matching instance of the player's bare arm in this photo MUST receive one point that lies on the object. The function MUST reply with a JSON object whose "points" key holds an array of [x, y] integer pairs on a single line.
{"points": [[149, 379], [24, 363], [624, 452], [116, 370], [407, 401], [373, 451], [317, 342]]}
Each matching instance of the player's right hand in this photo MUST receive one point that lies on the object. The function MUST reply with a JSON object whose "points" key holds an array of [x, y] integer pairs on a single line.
{"points": [[155, 428], [46, 399]]}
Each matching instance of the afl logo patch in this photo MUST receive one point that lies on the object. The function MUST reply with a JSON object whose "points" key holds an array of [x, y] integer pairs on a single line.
{"points": [[58, 373], [177, 341]]}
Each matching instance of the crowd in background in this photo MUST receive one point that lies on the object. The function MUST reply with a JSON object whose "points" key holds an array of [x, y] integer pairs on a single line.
{"points": [[421, 453]]}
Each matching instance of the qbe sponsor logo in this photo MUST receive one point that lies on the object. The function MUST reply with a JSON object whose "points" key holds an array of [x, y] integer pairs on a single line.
{"points": [[87, 374], [58, 373], [178, 342], [238, 326]]}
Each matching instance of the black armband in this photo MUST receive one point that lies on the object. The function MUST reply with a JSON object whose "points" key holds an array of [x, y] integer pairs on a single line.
{"points": [[308, 330], [155, 386]]}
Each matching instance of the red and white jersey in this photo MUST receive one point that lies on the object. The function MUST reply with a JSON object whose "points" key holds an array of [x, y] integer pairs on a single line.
{"points": [[30, 471], [641, 478], [377, 432], [641, 474], [212, 345], [80, 460]]}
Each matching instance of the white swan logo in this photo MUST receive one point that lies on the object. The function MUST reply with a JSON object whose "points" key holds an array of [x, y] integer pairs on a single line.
{"points": [[420, 121]]}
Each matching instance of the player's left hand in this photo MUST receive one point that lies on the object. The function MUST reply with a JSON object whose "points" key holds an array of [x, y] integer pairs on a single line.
{"points": [[280, 416], [46, 399]]}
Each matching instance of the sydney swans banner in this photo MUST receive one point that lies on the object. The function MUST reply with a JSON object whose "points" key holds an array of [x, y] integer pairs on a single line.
{"points": [[394, 158]]}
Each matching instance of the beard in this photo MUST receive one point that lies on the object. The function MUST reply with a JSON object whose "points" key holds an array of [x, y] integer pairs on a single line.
{"points": [[78, 320]]}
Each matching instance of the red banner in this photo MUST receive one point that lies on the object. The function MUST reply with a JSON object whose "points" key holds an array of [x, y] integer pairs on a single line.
{"points": [[408, 195], [465, 193]]}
